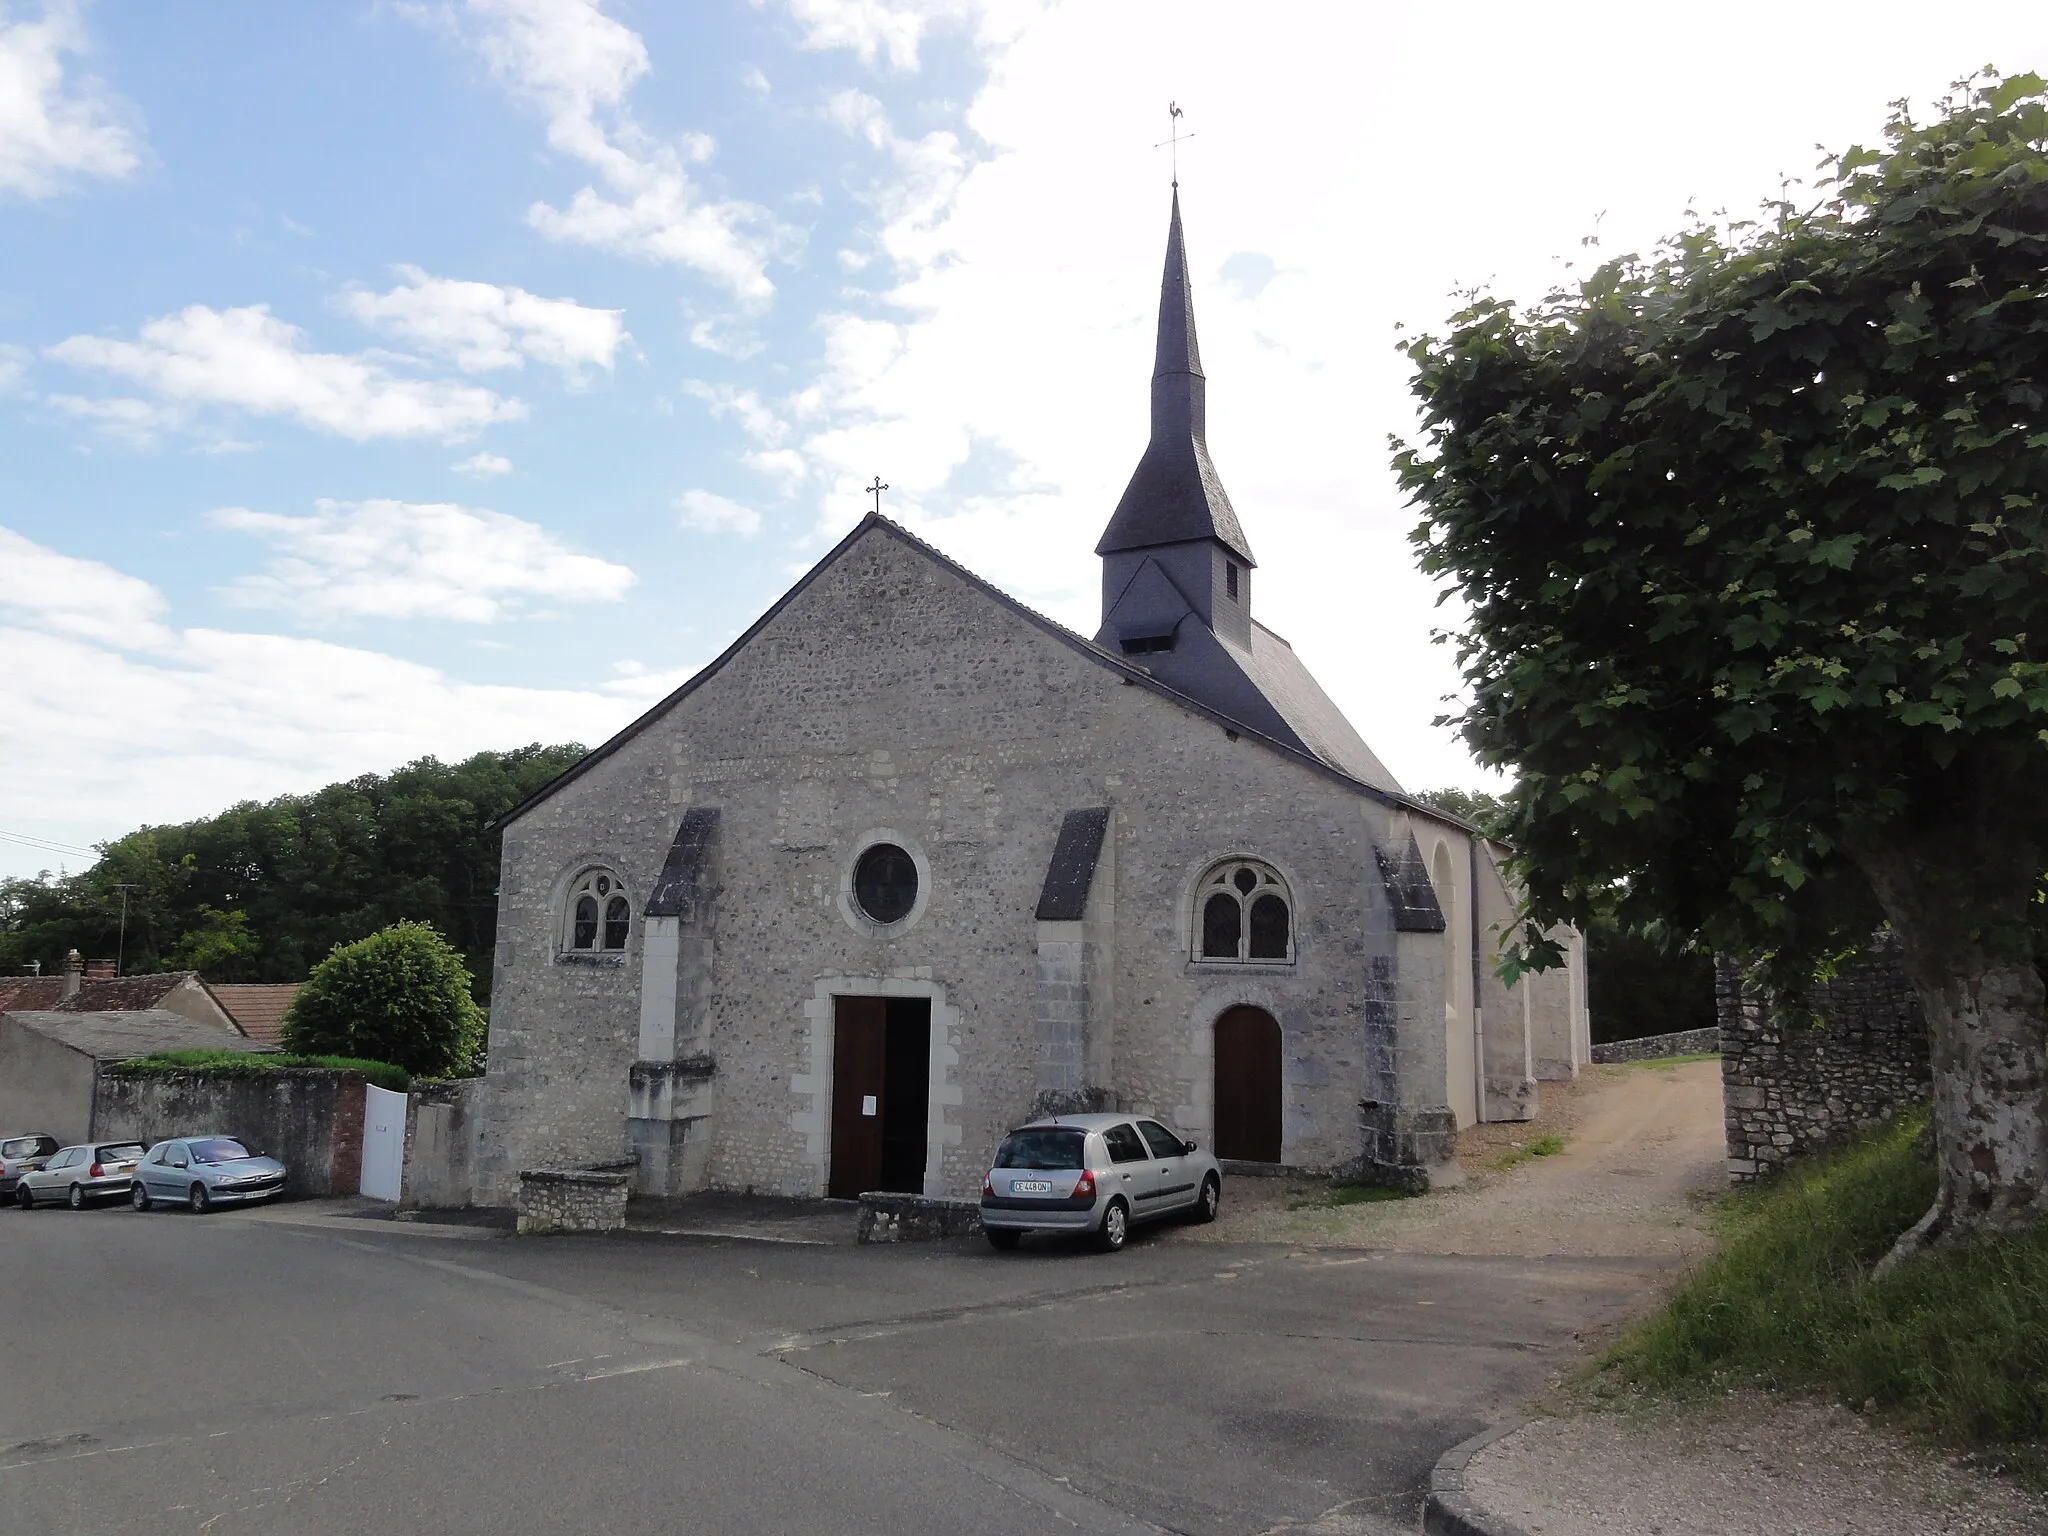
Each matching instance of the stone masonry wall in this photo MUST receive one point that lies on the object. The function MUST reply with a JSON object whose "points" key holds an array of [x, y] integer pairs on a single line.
{"points": [[892, 698], [1684, 1042], [1789, 1090], [571, 1200], [308, 1118]]}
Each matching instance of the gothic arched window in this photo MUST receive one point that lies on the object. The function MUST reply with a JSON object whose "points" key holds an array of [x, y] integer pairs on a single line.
{"points": [[1243, 914], [599, 916]]}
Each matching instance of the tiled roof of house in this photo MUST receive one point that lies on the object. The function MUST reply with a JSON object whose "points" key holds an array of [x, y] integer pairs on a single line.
{"points": [[118, 1035], [30, 992], [257, 1006], [123, 994]]}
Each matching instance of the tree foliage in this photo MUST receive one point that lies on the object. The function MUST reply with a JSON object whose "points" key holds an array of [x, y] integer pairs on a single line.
{"points": [[259, 892], [401, 995], [1754, 535]]}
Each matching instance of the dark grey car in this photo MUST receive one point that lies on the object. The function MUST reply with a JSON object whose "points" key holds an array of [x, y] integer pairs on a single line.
{"points": [[1099, 1174], [200, 1172], [23, 1154]]}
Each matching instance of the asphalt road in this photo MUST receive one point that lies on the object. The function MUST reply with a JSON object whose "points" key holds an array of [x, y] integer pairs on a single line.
{"points": [[243, 1372]]}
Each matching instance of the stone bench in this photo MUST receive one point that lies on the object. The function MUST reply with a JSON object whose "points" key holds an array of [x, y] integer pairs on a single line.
{"points": [[573, 1199], [887, 1217]]}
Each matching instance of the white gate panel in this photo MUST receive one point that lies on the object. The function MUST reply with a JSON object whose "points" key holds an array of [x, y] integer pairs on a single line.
{"points": [[383, 1142]]}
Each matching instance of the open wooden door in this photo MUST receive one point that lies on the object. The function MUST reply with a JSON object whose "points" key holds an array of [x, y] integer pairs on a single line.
{"points": [[859, 1082]]}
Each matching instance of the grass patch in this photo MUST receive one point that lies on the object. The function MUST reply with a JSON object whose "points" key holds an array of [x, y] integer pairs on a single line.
{"points": [[1547, 1145], [1665, 1063], [216, 1063], [1955, 1343], [1347, 1194]]}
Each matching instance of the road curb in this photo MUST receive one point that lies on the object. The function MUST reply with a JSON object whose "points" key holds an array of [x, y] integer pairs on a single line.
{"points": [[1450, 1510]]}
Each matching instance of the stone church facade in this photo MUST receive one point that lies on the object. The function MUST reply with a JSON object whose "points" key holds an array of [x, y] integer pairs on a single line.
{"points": [[910, 863]]}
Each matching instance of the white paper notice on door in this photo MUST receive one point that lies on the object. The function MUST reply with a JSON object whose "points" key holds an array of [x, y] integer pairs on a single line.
{"points": [[867, 1104]]}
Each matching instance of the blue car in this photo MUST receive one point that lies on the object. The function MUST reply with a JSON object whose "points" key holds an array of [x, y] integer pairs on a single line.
{"points": [[200, 1172]]}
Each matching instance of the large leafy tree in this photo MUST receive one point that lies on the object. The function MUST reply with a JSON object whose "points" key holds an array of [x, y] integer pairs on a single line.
{"points": [[261, 891], [1754, 535]]}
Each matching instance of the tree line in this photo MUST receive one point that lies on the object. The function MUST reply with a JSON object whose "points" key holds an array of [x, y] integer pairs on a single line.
{"points": [[262, 892]]}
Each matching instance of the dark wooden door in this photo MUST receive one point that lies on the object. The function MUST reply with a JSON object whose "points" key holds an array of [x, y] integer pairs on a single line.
{"points": [[859, 1049], [1248, 1086]]}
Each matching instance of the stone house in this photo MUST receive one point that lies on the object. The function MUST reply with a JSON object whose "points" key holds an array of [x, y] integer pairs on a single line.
{"points": [[910, 862]]}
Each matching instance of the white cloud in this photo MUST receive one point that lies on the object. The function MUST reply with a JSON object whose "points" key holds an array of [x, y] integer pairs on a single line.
{"points": [[484, 465], [14, 365], [482, 326], [708, 512], [871, 28], [577, 66], [53, 130], [79, 598], [135, 721], [412, 560], [249, 359]]}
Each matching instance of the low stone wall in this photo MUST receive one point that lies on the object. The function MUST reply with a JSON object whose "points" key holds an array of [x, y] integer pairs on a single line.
{"points": [[893, 1218], [572, 1200], [1789, 1090], [1410, 1149], [308, 1118], [1686, 1042]]}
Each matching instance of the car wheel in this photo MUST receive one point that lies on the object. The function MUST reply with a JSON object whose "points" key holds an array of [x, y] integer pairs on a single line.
{"points": [[138, 1196], [1210, 1198], [1115, 1229], [1002, 1239], [76, 1198], [200, 1201], [24, 1197]]}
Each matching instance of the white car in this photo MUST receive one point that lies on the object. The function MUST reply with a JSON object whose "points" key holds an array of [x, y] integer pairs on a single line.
{"points": [[81, 1175]]}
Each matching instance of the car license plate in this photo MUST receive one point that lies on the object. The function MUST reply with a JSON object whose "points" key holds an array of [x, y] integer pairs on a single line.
{"points": [[1030, 1186]]}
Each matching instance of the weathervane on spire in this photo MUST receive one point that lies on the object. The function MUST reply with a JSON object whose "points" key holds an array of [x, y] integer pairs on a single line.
{"points": [[1174, 115], [875, 491]]}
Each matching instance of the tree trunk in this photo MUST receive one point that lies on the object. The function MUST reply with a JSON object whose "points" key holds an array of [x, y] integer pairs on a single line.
{"points": [[1958, 897]]}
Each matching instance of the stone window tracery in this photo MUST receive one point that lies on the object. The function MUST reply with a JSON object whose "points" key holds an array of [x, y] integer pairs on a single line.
{"points": [[1243, 915], [599, 915]]}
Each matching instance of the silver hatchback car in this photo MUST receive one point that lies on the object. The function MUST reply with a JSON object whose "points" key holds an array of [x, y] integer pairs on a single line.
{"points": [[81, 1175], [1099, 1174], [201, 1172]]}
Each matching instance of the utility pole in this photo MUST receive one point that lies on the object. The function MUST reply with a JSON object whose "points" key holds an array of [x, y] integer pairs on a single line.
{"points": [[121, 949]]}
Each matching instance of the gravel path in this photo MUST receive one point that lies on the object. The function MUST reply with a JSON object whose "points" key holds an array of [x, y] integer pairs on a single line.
{"points": [[1743, 1465], [1642, 1146]]}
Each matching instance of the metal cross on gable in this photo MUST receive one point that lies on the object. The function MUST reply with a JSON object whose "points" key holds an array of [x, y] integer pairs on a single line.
{"points": [[1173, 117], [875, 491]]}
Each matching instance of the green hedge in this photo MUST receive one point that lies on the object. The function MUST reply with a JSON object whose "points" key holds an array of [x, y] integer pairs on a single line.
{"points": [[210, 1063]]}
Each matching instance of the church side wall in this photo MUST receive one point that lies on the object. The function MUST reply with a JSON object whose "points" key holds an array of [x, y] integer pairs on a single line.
{"points": [[892, 700]]}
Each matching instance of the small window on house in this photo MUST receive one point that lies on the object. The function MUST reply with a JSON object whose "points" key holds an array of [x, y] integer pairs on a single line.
{"points": [[600, 915], [1246, 914], [1230, 579]]}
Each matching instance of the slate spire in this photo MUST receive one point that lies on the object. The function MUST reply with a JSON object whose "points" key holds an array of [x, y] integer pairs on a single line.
{"points": [[1175, 497]]}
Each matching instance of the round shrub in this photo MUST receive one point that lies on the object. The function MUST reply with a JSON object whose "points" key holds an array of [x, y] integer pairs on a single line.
{"points": [[401, 995]]}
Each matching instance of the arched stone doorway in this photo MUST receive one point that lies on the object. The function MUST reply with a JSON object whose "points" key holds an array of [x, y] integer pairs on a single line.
{"points": [[1248, 1085]]}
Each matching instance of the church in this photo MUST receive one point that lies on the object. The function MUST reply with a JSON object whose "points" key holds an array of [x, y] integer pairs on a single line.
{"points": [[910, 863]]}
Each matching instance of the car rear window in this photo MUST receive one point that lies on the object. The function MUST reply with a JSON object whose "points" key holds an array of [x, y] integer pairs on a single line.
{"points": [[217, 1149], [23, 1147], [120, 1152], [1041, 1150]]}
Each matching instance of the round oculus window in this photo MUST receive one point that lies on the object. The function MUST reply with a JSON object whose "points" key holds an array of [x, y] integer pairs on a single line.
{"points": [[885, 883]]}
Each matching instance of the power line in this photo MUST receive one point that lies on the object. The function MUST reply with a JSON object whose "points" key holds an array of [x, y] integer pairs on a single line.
{"points": [[47, 846]]}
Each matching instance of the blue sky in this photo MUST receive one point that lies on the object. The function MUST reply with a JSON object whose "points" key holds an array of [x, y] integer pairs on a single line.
{"points": [[386, 378]]}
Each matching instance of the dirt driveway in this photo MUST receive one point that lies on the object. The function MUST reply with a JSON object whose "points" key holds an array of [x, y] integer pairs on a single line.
{"points": [[1642, 1148]]}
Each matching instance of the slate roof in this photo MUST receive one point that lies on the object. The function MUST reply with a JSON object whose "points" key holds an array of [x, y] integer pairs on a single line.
{"points": [[1175, 495], [119, 1035], [30, 992], [257, 1006], [680, 883], [1064, 896]]}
